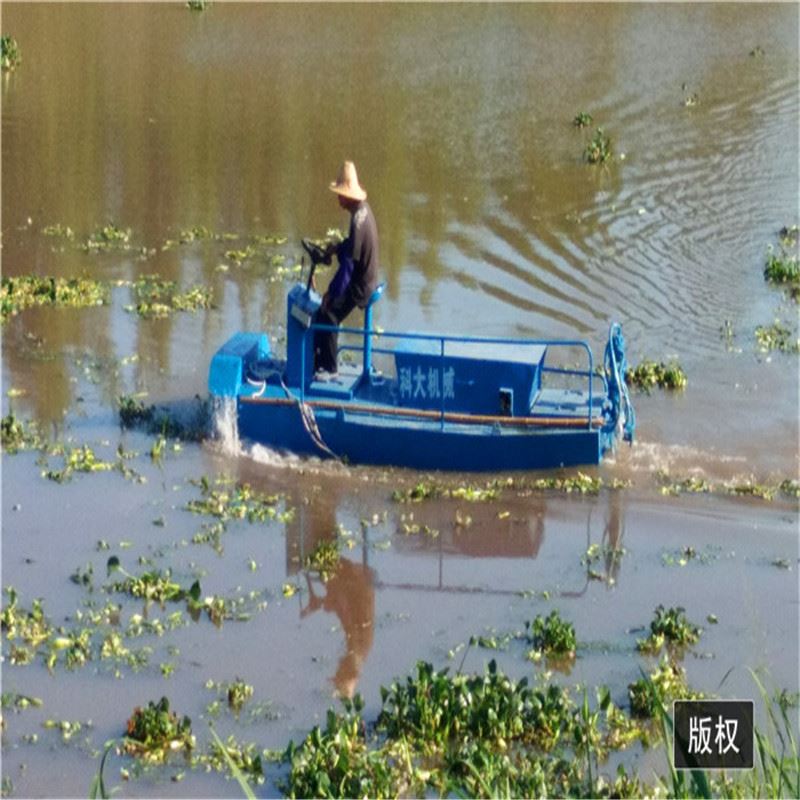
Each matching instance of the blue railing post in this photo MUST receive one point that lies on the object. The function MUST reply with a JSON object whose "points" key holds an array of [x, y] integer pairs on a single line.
{"points": [[368, 341], [376, 295]]}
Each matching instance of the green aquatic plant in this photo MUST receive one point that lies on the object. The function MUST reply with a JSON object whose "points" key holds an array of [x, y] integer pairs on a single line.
{"points": [[781, 267], [25, 291], [67, 728], [194, 234], [652, 694], [10, 55], [776, 768], [579, 484], [198, 5], [108, 237], [59, 231], [243, 760], [269, 239], [157, 297], [239, 256], [582, 120], [669, 627], [476, 735], [421, 491], [239, 502], [336, 761], [19, 702], [323, 559], [742, 488], [238, 694], [78, 459], [788, 236], [598, 151], [752, 489], [439, 712], [25, 629], [16, 435], [649, 374], [154, 586], [777, 336], [154, 732], [552, 636], [691, 484], [425, 490]]}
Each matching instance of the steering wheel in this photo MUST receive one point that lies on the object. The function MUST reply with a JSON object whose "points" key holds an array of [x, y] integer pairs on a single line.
{"points": [[315, 252]]}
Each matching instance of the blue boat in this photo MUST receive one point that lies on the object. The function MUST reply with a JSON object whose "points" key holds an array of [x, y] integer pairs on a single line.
{"points": [[438, 402]]}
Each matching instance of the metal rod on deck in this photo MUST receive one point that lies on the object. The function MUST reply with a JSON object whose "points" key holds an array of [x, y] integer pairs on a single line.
{"points": [[450, 416]]}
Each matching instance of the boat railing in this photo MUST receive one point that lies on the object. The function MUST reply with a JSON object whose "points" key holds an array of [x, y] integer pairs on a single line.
{"points": [[589, 374]]}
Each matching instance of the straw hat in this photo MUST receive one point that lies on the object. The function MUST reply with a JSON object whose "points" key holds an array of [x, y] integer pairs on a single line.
{"points": [[347, 183]]}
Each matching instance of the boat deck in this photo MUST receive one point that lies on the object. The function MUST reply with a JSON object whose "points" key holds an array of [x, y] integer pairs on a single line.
{"points": [[349, 388], [566, 403]]}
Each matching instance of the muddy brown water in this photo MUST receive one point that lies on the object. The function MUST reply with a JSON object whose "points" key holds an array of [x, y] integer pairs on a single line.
{"points": [[460, 121]]}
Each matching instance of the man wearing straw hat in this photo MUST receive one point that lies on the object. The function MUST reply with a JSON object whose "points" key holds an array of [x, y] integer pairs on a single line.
{"points": [[357, 276]]}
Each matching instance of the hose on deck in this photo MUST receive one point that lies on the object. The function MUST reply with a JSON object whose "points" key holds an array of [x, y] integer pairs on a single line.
{"points": [[616, 366]]}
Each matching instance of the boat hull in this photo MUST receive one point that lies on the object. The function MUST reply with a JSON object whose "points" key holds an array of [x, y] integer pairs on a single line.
{"points": [[418, 444]]}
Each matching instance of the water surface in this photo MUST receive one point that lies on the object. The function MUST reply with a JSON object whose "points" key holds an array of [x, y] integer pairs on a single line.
{"points": [[459, 119]]}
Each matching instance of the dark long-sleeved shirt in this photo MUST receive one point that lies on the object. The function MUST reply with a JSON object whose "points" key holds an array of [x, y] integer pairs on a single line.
{"points": [[358, 258]]}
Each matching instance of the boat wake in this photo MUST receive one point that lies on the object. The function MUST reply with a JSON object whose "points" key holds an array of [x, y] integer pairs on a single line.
{"points": [[680, 461], [226, 440]]}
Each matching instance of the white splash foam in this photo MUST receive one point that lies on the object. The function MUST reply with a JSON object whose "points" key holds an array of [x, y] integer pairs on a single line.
{"points": [[684, 460], [226, 427]]}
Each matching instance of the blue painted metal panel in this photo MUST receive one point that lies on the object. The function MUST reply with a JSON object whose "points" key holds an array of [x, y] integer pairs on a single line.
{"points": [[301, 305], [227, 370], [467, 377]]}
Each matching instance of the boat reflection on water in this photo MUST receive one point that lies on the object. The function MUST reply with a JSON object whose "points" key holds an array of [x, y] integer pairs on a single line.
{"points": [[458, 546]]}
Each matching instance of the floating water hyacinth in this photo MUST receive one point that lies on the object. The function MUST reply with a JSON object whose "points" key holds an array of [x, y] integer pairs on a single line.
{"points": [[26, 291], [777, 336], [552, 635], [158, 297], [10, 56], [582, 120], [598, 151], [649, 374], [153, 732]]}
